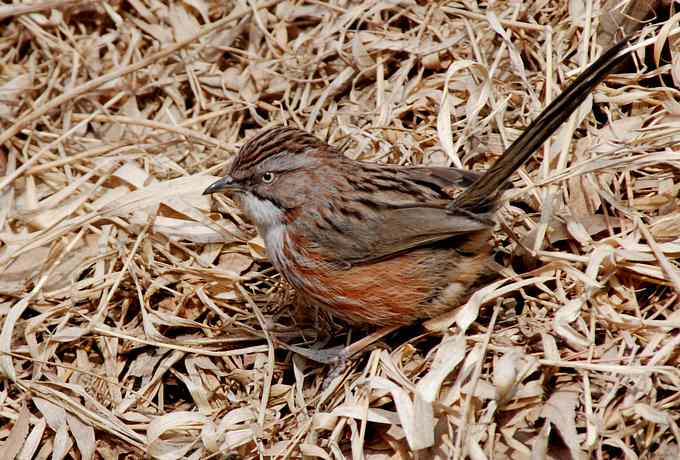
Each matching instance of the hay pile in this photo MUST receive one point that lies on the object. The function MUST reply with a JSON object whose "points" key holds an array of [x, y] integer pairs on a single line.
{"points": [[141, 318]]}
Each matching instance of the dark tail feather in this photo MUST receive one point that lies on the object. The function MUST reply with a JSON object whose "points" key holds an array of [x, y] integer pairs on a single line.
{"points": [[483, 193]]}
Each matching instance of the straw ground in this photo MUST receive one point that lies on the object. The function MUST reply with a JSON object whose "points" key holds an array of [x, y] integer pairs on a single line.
{"points": [[141, 318]]}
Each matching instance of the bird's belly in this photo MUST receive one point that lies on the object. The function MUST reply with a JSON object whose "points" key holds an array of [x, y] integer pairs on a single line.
{"points": [[397, 290]]}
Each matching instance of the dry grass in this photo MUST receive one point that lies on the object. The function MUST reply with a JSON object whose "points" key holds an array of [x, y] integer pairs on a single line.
{"points": [[141, 318]]}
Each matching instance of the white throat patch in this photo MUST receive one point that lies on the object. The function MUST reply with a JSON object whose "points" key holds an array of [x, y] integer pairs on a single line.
{"points": [[268, 219], [262, 212]]}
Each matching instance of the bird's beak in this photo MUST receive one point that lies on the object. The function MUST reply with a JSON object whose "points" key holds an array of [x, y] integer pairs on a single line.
{"points": [[226, 184]]}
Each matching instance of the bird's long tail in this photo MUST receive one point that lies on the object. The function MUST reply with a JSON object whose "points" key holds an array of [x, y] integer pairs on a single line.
{"points": [[484, 192]]}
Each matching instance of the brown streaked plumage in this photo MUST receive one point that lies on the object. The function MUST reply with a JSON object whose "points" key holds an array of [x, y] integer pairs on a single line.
{"points": [[381, 244], [270, 142]]}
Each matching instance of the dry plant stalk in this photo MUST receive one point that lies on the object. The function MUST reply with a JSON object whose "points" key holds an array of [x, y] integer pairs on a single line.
{"points": [[138, 318]]}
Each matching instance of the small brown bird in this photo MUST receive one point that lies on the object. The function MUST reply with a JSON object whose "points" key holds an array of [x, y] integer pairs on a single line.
{"points": [[381, 244]]}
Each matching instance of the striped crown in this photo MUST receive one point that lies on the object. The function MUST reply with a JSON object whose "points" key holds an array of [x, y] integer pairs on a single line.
{"points": [[273, 141]]}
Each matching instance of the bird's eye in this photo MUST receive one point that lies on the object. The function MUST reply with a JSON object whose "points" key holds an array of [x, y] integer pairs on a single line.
{"points": [[268, 177]]}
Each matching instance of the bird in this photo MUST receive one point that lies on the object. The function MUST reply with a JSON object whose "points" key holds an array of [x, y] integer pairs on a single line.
{"points": [[380, 244]]}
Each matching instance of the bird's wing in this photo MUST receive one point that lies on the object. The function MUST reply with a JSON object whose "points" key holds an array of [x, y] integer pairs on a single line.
{"points": [[377, 231]]}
